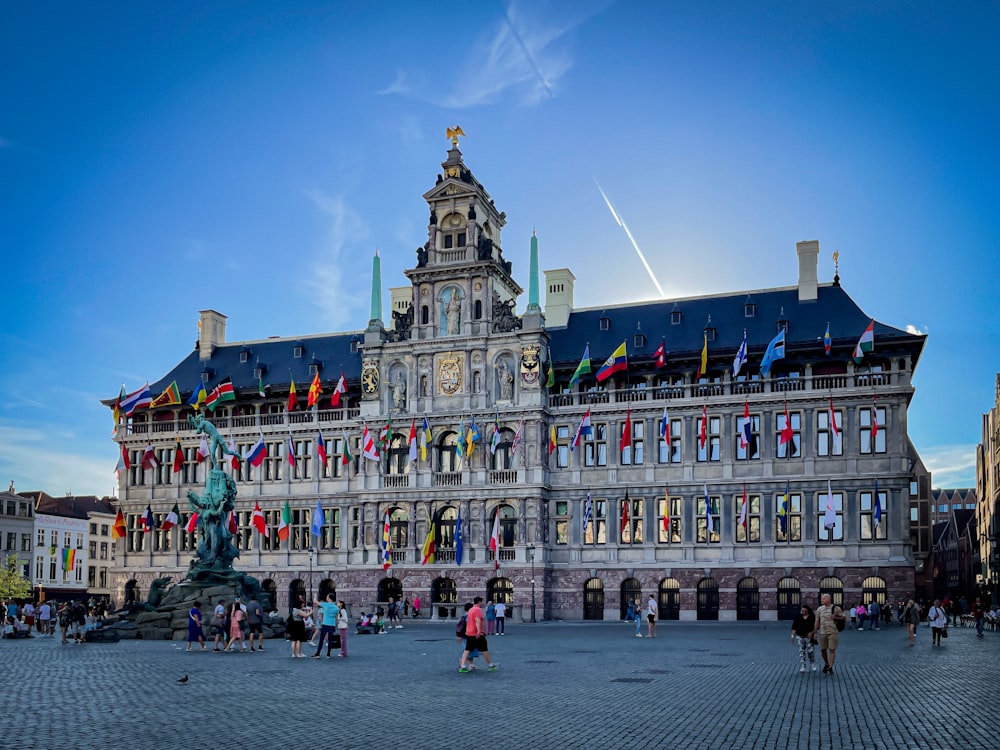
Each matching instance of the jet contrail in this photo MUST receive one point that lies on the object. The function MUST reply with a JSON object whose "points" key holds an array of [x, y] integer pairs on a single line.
{"points": [[635, 244]]}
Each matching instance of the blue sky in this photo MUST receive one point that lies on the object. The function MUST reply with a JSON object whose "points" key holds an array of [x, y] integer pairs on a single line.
{"points": [[159, 159]]}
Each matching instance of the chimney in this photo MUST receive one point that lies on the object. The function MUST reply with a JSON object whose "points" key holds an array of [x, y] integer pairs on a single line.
{"points": [[211, 333], [558, 297], [808, 253]]}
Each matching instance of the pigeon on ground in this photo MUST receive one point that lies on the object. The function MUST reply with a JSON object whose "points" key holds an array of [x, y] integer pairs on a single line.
{"points": [[183, 679]]}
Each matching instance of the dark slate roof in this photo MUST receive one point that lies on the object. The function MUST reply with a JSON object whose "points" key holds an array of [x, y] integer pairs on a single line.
{"points": [[806, 324], [70, 506], [960, 496]]}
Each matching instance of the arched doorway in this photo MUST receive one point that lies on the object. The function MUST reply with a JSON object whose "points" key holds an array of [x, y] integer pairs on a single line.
{"points": [[270, 593], [390, 587], [834, 587], [326, 586], [593, 599], [873, 589], [789, 598], [500, 590], [708, 599], [670, 599], [631, 590], [444, 591], [131, 592], [296, 592], [747, 599]]}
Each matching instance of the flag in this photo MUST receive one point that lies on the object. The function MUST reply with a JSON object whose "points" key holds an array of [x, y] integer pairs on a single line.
{"points": [[617, 362], [878, 505], [495, 540], [588, 512], [833, 419], [460, 439], [386, 544], [746, 429], [170, 396], [775, 351], [474, 435], [149, 460], [866, 343], [293, 398], [874, 420], [321, 448], [69, 558], [234, 525], [827, 341], [458, 538], [829, 516], [257, 453], [517, 438], [368, 449], [347, 457], [425, 439], [583, 429], [172, 519], [178, 457], [741, 356], [703, 431], [627, 430], [136, 400], [495, 440], [116, 412], [385, 435], [119, 529], [743, 510], [625, 512], [665, 426], [192, 524], [222, 392], [581, 369], [783, 513], [285, 523], [709, 521], [318, 520], [234, 459], [258, 521], [666, 509], [550, 379], [260, 387], [202, 452], [660, 355], [413, 440], [290, 451], [430, 544], [147, 521], [338, 390], [552, 438], [315, 390], [787, 434], [198, 396], [703, 365], [124, 464]]}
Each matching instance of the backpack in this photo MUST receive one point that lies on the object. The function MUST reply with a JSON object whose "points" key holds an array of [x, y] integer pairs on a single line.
{"points": [[460, 627]]}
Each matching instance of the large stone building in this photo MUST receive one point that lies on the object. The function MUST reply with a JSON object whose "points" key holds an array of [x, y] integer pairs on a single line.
{"points": [[17, 530], [581, 528], [988, 498]]}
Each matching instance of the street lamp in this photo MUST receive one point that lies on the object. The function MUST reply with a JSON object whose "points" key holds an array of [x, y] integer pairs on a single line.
{"points": [[531, 559], [311, 553]]}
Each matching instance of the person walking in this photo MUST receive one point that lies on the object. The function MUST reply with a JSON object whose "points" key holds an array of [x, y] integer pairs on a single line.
{"points": [[475, 638], [255, 623], [911, 617], [938, 618], [637, 617], [862, 616], [297, 628], [979, 612], [328, 628], [826, 625], [501, 610], [802, 635], [343, 625], [491, 617], [236, 618], [219, 624], [875, 614], [651, 613], [195, 631], [416, 607], [45, 619]]}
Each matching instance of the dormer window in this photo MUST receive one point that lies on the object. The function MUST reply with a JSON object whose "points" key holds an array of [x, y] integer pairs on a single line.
{"points": [[313, 368], [675, 317], [710, 334], [781, 326], [298, 350], [206, 375], [604, 324], [244, 356], [639, 341], [749, 310], [258, 373], [354, 347]]}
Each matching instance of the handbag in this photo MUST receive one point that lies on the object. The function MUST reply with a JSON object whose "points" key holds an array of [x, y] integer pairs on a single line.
{"points": [[944, 632]]}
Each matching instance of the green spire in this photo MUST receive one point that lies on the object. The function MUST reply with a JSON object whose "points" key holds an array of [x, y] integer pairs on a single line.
{"points": [[376, 314], [533, 275]]}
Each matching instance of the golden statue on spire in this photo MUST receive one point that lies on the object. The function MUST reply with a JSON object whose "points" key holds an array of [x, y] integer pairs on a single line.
{"points": [[453, 134]]}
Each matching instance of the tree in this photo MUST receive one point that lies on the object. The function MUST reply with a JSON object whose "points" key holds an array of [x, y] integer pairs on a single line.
{"points": [[13, 584]]}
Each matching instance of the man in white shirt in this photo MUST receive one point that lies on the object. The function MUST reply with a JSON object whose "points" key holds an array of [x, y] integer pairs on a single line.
{"points": [[501, 613], [652, 610]]}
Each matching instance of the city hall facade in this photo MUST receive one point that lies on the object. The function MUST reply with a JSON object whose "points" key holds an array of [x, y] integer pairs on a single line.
{"points": [[673, 491]]}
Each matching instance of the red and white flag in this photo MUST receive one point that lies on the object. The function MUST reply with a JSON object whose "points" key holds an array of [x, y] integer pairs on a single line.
{"points": [[202, 449], [258, 521], [192, 524], [495, 540], [368, 449], [661, 355], [149, 460], [833, 420], [340, 388]]}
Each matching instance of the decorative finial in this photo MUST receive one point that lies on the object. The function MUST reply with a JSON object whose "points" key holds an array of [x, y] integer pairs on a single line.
{"points": [[836, 266], [453, 134]]}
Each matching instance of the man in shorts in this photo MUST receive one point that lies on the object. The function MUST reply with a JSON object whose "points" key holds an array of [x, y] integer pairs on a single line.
{"points": [[826, 626], [255, 622], [652, 610], [475, 638]]}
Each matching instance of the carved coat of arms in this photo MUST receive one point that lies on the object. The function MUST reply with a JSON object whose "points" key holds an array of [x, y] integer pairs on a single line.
{"points": [[530, 366], [449, 374], [369, 378]]}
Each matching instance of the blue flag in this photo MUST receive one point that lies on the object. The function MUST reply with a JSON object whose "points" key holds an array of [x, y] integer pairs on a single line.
{"points": [[775, 351], [587, 513], [878, 506], [783, 513], [458, 538], [318, 520]]}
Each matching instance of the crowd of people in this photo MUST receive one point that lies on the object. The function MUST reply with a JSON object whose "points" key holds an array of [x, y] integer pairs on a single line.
{"points": [[71, 619]]}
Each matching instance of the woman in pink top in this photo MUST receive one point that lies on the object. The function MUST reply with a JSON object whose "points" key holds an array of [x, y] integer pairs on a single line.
{"points": [[235, 631]]}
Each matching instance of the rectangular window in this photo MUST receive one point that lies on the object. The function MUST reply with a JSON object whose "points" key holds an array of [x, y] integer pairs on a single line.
{"points": [[274, 461], [104, 529], [91, 576], [750, 532], [54, 539], [52, 570], [597, 529], [39, 568], [837, 532], [785, 447], [788, 518], [633, 454], [104, 550], [449, 241], [301, 521], [669, 523], [329, 537], [11, 541], [93, 528], [303, 451], [869, 530], [102, 578], [669, 452], [40, 540], [631, 528], [701, 515], [562, 446], [828, 443], [25, 542], [867, 428], [748, 451], [595, 451], [93, 550], [708, 449], [562, 522]]}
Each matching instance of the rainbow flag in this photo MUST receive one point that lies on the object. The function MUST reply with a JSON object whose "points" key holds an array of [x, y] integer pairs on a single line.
{"points": [[69, 558]]}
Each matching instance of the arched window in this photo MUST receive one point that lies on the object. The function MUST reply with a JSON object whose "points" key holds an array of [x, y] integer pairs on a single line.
{"points": [[670, 599], [269, 598], [631, 590], [873, 589], [296, 592], [444, 591], [425, 315], [508, 526], [708, 599], [326, 586], [399, 523], [390, 587], [502, 457], [834, 587], [500, 590], [477, 309], [789, 598], [444, 535], [593, 599], [747, 599], [447, 452]]}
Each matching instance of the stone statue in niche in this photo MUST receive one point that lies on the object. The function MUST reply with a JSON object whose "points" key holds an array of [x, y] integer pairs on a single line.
{"points": [[453, 315], [402, 322], [399, 392], [505, 381]]}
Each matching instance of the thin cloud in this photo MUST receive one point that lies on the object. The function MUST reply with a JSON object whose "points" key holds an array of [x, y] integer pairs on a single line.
{"points": [[335, 299], [951, 465], [28, 454], [910, 328]]}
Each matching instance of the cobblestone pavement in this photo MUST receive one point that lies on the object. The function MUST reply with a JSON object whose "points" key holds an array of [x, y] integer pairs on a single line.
{"points": [[560, 685]]}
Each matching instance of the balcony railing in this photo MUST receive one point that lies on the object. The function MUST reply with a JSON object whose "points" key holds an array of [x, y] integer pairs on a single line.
{"points": [[447, 478], [396, 481], [503, 476]]}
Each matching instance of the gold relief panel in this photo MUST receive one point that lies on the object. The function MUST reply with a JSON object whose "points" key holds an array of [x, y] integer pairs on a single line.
{"points": [[369, 378], [530, 366], [450, 374]]}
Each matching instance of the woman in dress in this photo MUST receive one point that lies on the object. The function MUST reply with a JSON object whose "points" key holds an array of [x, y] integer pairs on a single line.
{"points": [[802, 628], [343, 625], [236, 618], [911, 616], [195, 631], [297, 630]]}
